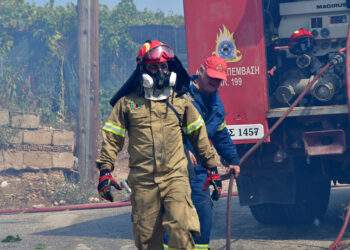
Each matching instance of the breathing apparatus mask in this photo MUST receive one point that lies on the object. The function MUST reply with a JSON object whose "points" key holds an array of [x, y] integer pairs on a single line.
{"points": [[158, 85], [177, 80], [157, 78]]}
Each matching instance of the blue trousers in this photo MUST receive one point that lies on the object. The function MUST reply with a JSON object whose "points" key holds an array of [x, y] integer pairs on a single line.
{"points": [[204, 206]]}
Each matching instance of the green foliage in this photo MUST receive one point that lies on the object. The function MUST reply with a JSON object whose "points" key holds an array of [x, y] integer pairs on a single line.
{"points": [[38, 53], [6, 134], [11, 238], [104, 97], [40, 246], [58, 188], [34, 42]]}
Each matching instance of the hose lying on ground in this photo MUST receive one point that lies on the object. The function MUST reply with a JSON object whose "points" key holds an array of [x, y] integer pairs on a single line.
{"points": [[64, 208], [337, 244], [78, 207], [252, 149]]}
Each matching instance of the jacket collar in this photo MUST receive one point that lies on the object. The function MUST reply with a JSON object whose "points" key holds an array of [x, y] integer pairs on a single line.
{"points": [[198, 96]]}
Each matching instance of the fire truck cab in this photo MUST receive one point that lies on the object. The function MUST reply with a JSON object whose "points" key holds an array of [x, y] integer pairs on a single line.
{"points": [[274, 48]]}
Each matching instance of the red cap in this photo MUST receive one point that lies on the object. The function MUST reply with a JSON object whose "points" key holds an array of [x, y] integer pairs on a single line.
{"points": [[216, 67]]}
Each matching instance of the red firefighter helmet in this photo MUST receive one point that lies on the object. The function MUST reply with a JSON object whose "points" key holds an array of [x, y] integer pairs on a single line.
{"points": [[154, 52], [301, 42]]}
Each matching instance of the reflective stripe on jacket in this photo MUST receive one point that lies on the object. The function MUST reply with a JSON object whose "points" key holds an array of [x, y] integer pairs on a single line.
{"points": [[155, 140], [214, 117]]}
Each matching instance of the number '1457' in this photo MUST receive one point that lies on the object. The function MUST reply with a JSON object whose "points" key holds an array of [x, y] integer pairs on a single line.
{"points": [[243, 131]]}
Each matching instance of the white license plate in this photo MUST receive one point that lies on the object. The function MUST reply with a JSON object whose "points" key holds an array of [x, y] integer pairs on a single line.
{"points": [[246, 131]]}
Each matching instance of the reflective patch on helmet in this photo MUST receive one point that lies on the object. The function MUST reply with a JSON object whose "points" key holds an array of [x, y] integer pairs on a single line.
{"points": [[148, 46]]}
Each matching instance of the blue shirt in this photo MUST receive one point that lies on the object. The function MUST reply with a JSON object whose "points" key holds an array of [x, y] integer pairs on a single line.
{"points": [[212, 110]]}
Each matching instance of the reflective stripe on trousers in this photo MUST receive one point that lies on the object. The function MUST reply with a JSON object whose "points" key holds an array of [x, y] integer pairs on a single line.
{"points": [[197, 247]]}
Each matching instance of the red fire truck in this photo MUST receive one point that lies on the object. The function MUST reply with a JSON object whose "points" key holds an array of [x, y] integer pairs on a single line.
{"points": [[274, 48]]}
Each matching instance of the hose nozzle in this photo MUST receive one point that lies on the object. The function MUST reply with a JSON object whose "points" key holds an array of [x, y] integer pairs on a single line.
{"points": [[338, 58], [124, 184]]}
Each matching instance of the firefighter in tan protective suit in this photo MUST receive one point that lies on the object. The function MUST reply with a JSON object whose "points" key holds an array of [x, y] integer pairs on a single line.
{"points": [[155, 111]]}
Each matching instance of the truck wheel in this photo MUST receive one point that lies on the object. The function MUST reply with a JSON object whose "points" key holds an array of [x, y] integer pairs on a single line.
{"points": [[268, 213], [312, 199]]}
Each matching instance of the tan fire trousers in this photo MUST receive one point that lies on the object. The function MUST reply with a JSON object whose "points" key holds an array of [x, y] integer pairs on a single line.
{"points": [[165, 207]]}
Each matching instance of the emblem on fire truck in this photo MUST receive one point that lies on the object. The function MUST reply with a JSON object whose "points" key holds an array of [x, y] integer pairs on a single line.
{"points": [[226, 47]]}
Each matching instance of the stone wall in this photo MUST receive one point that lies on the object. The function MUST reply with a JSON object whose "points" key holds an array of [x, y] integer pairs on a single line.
{"points": [[33, 146]]}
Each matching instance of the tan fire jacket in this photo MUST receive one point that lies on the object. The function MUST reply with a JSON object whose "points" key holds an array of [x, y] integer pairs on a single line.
{"points": [[155, 139]]}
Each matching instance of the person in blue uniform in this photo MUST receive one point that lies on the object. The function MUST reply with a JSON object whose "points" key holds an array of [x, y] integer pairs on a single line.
{"points": [[204, 96]]}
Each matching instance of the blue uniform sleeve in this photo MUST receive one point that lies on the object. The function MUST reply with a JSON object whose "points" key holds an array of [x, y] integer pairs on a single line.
{"points": [[221, 138], [225, 146]]}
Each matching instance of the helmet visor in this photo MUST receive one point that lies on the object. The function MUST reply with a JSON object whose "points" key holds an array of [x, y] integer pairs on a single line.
{"points": [[158, 53]]}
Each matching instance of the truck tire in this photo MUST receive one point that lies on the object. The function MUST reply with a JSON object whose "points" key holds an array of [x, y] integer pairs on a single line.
{"points": [[312, 199], [269, 214]]}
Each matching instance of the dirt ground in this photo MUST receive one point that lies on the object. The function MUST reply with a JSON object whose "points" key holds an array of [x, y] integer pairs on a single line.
{"points": [[54, 187], [57, 187]]}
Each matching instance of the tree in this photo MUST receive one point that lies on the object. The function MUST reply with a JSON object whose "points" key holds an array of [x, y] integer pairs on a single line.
{"points": [[38, 54]]}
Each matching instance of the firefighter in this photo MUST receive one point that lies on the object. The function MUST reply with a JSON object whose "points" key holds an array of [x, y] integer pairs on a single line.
{"points": [[204, 95], [154, 110]]}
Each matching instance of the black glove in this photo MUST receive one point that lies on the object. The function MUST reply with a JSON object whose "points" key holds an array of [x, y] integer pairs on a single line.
{"points": [[213, 178], [104, 185]]}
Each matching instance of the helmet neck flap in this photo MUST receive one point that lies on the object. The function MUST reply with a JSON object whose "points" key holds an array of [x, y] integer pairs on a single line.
{"points": [[156, 86]]}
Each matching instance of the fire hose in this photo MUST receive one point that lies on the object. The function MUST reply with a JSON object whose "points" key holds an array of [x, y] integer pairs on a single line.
{"points": [[229, 176], [255, 146], [66, 208], [337, 244]]}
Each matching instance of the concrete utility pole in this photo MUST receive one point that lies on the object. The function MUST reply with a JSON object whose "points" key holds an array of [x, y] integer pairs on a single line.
{"points": [[88, 77]]}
